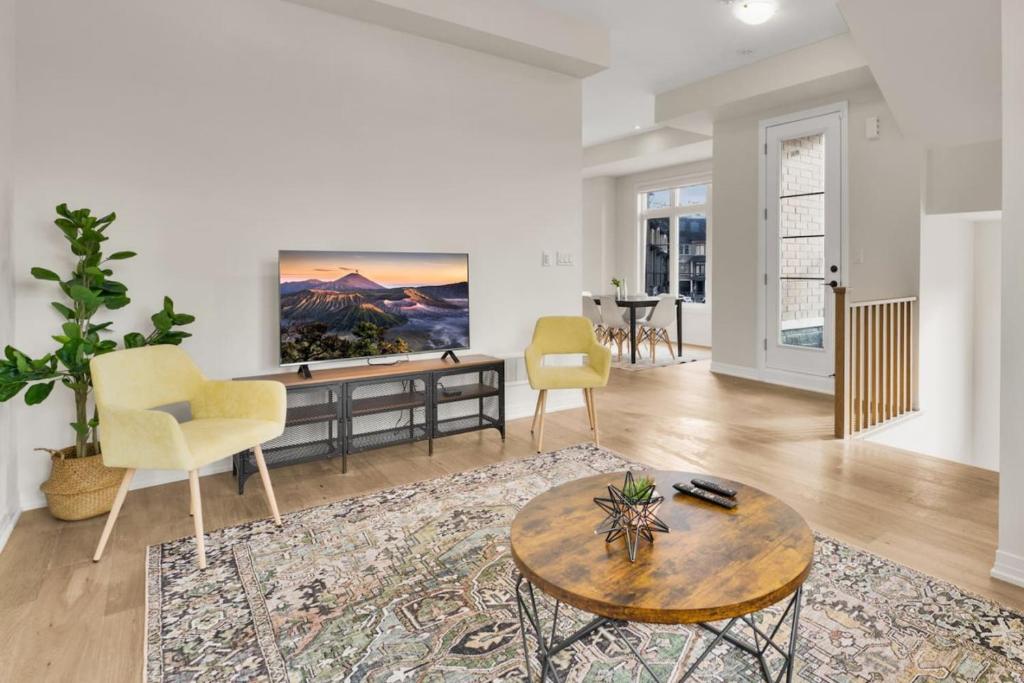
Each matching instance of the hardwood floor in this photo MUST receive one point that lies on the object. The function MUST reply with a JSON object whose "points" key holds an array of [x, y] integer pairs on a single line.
{"points": [[64, 618]]}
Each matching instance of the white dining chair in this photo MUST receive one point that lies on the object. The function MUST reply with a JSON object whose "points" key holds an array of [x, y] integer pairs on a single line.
{"points": [[655, 328], [615, 327], [593, 314]]}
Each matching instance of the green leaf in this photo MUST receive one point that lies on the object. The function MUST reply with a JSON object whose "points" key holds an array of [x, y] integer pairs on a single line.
{"points": [[183, 318], [162, 321], [44, 274], [168, 306], [62, 209], [71, 330], [63, 310], [114, 287], [9, 391], [100, 328], [69, 229], [121, 255], [114, 302], [80, 427], [85, 295], [134, 340], [37, 393], [174, 337]]}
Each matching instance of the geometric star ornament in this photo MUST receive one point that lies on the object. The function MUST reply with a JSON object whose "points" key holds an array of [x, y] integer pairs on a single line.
{"points": [[631, 513]]}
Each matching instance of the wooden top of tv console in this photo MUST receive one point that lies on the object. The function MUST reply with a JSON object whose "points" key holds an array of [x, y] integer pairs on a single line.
{"points": [[355, 373]]}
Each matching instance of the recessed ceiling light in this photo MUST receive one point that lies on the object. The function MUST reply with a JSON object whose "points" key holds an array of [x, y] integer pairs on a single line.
{"points": [[636, 127], [753, 12]]}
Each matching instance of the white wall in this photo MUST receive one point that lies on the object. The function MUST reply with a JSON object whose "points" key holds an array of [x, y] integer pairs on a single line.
{"points": [[958, 375], [884, 219], [987, 311], [224, 131], [9, 503], [964, 178], [599, 216], [1009, 563]]}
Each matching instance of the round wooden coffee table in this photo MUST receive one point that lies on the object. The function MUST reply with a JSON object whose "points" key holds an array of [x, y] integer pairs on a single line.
{"points": [[714, 564]]}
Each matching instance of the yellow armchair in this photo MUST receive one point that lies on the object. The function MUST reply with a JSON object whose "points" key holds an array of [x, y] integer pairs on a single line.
{"points": [[555, 335], [227, 417]]}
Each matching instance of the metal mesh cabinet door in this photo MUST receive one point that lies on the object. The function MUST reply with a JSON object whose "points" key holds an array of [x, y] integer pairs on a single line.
{"points": [[469, 400], [311, 432], [385, 412]]}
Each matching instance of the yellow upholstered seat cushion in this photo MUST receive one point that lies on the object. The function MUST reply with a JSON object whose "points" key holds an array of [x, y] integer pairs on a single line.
{"points": [[215, 438], [555, 377]]}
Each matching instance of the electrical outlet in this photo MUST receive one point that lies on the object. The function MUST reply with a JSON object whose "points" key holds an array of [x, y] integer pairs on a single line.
{"points": [[545, 258], [564, 258]]}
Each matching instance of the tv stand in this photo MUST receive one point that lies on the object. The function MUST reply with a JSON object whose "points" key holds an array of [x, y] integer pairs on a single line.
{"points": [[304, 372], [348, 410], [450, 354]]}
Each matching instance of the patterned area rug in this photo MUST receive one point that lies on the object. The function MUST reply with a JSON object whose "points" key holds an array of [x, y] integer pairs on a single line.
{"points": [[415, 584]]}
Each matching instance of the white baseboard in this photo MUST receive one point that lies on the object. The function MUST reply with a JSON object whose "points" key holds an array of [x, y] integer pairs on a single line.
{"points": [[520, 401], [7, 523], [795, 380], [1008, 568]]}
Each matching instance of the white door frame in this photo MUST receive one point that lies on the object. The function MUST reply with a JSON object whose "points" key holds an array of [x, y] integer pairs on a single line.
{"points": [[824, 384]]}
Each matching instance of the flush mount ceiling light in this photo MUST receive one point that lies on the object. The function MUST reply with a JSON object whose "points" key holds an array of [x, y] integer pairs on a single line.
{"points": [[753, 12]]}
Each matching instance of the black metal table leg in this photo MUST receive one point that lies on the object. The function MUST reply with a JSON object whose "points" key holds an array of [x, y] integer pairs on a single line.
{"points": [[549, 645], [632, 335], [679, 328]]}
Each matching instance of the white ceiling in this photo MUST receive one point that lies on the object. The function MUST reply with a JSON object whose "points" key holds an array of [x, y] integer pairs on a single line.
{"points": [[662, 44]]}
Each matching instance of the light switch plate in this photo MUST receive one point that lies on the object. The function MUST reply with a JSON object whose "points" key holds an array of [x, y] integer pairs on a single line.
{"points": [[564, 258], [545, 258], [871, 129]]}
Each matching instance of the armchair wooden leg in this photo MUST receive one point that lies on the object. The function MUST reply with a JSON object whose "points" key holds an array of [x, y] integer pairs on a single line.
{"points": [[536, 411], [588, 394], [590, 412], [540, 426], [593, 411], [197, 516], [267, 487], [122, 491], [668, 343]]}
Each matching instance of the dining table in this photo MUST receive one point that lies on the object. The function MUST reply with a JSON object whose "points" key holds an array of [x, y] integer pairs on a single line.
{"points": [[633, 302]]}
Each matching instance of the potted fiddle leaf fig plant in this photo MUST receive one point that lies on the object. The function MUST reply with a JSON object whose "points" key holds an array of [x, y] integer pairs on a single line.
{"points": [[79, 485]]}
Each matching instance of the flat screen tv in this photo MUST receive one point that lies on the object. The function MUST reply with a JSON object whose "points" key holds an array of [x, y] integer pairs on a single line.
{"points": [[337, 305]]}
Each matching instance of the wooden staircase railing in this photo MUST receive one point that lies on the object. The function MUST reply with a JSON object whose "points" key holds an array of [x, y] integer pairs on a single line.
{"points": [[874, 372]]}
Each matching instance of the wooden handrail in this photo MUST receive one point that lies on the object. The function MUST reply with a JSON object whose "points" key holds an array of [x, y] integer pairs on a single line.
{"points": [[874, 362]]}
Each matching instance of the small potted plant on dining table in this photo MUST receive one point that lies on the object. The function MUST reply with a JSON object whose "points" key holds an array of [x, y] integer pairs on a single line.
{"points": [[79, 485]]}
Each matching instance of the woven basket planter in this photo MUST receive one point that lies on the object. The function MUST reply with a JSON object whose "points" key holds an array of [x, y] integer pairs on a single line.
{"points": [[79, 488]]}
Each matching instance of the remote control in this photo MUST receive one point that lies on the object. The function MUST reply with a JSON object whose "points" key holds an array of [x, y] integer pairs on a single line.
{"points": [[713, 487], [691, 490]]}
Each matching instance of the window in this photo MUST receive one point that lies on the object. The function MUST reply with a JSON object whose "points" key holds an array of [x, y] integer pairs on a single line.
{"points": [[675, 260]]}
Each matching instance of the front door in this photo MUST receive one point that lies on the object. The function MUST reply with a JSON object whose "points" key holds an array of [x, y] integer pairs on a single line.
{"points": [[803, 198]]}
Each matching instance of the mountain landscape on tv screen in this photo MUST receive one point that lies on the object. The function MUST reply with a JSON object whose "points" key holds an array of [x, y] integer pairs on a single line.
{"points": [[354, 316]]}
